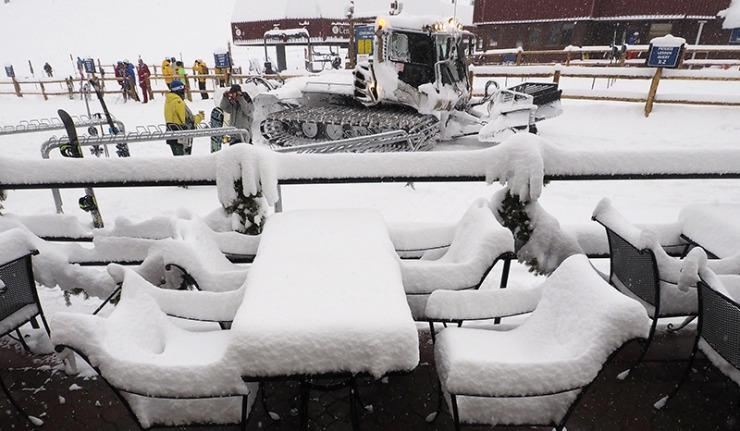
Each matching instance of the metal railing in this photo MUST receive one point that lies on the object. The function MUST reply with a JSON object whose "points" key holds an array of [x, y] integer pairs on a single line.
{"points": [[357, 144], [53, 124]]}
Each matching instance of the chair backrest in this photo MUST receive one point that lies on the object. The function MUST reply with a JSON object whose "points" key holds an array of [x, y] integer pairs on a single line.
{"points": [[719, 321], [18, 287]]}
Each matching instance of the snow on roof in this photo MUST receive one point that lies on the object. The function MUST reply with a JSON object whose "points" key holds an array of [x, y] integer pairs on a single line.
{"points": [[731, 15], [252, 10]]}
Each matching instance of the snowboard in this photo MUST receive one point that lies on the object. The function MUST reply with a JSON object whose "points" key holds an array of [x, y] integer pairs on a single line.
{"points": [[217, 120], [121, 149], [88, 203]]}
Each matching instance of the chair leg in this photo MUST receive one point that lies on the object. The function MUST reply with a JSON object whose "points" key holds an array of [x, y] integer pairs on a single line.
{"points": [[110, 297], [245, 414], [22, 341], [432, 417], [431, 331], [673, 329], [34, 323], [354, 404], [455, 412], [663, 402], [303, 413], [624, 374], [14, 403], [263, 400]]}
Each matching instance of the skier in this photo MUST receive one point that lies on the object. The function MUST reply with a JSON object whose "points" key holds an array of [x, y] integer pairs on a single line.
{"points": [[144, 81], [241, 109], [48, 70], [200, 68], [120, 72], [168, 72], [178, 116], [182, 75], [130, 76]]}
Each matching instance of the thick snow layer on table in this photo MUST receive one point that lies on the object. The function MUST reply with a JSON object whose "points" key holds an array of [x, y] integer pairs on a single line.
{"points": [[578, 323], [731, 15], [14, 244], [715, 227], [482, 304], [137, 349], [53, 225], [479, 240], [324, 295]]}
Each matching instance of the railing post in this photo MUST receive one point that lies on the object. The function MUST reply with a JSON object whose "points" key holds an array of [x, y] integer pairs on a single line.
{"points": [[519, 58], [653, 91], [17, 87], [556, 76], [43, 91]]}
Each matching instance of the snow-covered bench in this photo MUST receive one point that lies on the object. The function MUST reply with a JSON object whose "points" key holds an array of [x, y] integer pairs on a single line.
{"points": [[164, 374], [642, 270], [534, 374], [719, 318], [478, 243]]}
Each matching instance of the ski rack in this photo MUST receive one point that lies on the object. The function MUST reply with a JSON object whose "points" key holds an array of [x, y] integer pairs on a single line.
{"points": [[51, 124], [396, 140], [142, 134]]}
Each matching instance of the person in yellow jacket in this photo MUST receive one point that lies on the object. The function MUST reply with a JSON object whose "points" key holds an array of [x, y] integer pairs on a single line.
{"points": [[200, 68], [178, 116], [168, 71]]}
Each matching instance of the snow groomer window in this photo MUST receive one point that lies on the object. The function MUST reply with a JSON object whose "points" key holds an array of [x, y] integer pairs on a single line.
{"points": [[400, 48]]}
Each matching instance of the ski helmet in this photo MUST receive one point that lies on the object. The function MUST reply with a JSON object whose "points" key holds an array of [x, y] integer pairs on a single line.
{"points": [[177, 85]]}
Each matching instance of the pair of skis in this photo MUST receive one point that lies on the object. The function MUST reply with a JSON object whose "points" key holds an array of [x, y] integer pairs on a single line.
{"points": [[72, 148]]}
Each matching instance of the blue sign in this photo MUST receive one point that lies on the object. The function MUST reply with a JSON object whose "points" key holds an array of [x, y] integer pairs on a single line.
{"points": [[735, 37], [667, 57], [89, 65], [364, 36], [9, 71], [222, 60]]}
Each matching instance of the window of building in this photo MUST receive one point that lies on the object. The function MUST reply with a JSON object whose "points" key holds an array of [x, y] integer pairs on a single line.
{"points": [[492, 41], [659, 29], [566, 33], [535, 37]]}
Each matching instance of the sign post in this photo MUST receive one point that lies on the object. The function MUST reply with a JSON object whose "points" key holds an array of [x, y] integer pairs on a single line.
{"points": [[665, 53]]}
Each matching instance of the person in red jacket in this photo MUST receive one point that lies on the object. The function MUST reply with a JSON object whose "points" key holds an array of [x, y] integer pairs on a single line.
{"points": [[144, 81]]}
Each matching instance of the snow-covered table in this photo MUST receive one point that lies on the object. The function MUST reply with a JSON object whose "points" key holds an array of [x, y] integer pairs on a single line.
{"points": [[715, 228], [324, 296]]}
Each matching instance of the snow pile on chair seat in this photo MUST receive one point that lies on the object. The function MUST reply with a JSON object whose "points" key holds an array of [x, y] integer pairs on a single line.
{"points": [[164, 412], [23, 315], [675, 297], [715, 227], [482, 304], [14, 244], [578, 323], [416, 238], [51, 266], [479, 240], [137, 349], [324, 295]]}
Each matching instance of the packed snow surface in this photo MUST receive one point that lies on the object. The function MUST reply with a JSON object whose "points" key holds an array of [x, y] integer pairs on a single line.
{"points": [[337, 274], [578, 323]]}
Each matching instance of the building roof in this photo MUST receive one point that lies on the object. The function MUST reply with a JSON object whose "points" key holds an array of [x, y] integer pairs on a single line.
{"points": [[512, 11], [275, 10]]}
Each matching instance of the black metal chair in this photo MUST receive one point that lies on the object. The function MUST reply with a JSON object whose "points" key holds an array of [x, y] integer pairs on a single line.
{"points": [[718, 328], [19, 304]]}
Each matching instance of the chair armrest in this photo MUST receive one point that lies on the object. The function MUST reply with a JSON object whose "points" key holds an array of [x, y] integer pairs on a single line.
{"points": [[445, 305], [195, 305]]}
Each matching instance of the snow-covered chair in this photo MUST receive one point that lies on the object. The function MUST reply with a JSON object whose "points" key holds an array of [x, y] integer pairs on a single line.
{"points": [[164, 375], [19, 300], [642, 270], [479, 242], [535, 373], [719, 318]]}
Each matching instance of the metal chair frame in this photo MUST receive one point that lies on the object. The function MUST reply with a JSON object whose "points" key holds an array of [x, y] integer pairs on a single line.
{"points": [[647, 288], [27, 264]]}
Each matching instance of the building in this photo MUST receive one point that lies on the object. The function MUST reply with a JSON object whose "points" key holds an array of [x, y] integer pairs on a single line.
{"points": [[280, 23], [555, 24]]}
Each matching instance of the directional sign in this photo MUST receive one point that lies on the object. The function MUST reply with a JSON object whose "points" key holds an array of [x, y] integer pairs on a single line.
{"points": [[667, 57], [222, 60], [89, 65], [735, 37], [364, 36]]}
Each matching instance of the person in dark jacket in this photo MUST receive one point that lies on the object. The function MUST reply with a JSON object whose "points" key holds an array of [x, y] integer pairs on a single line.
{"points": [[48, 70], [130, 79], [241, 110]]}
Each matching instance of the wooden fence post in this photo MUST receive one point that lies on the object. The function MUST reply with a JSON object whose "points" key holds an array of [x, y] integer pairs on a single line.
{"points": [[43, 91], [653, 91], [556, 76], [17, 87]]}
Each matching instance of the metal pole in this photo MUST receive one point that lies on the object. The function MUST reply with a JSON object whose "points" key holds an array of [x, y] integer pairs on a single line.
{"points": [[698, 37]]}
